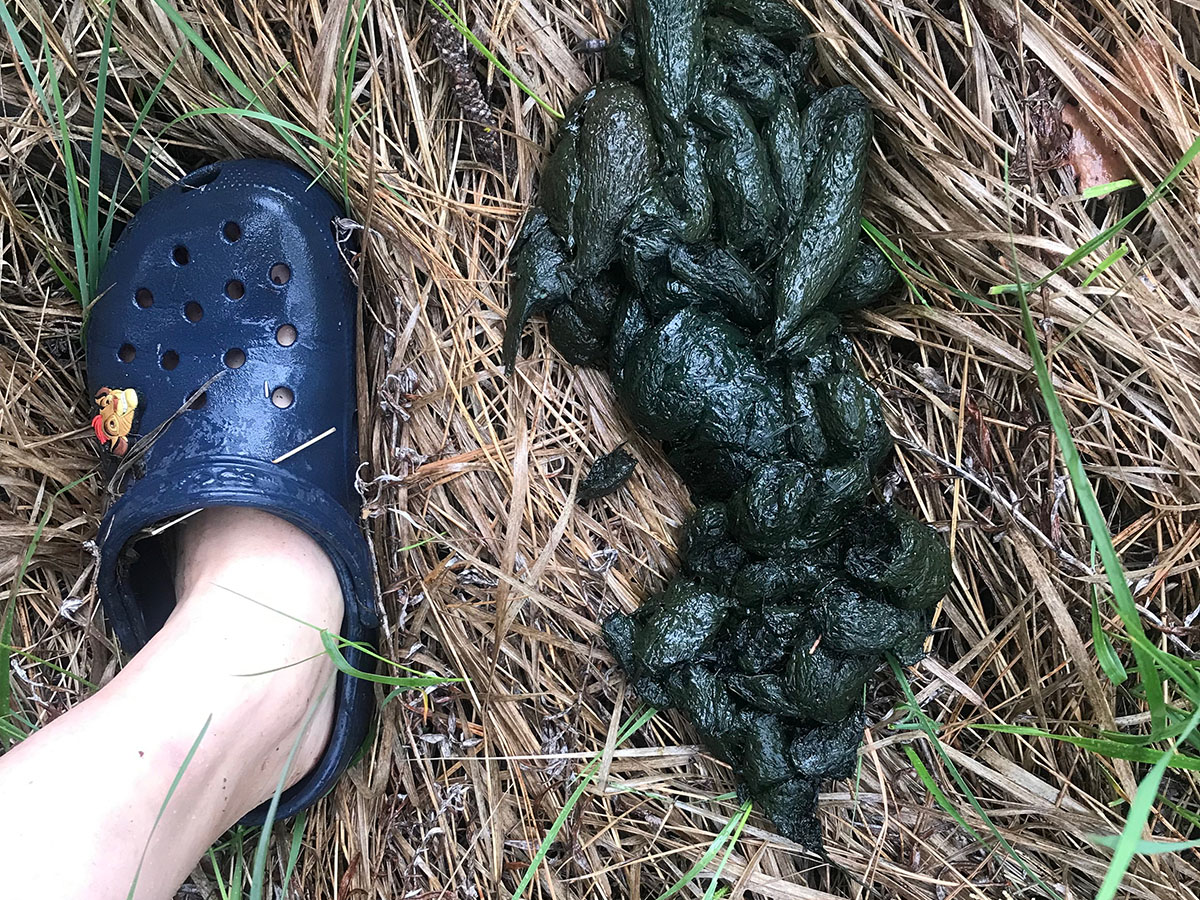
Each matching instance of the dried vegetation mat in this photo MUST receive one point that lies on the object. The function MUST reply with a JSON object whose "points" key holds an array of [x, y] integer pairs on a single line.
{"points": [[539, 775]]}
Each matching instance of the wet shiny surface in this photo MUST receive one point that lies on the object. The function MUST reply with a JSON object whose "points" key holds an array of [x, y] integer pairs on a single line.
{"points": [[704, 258]]}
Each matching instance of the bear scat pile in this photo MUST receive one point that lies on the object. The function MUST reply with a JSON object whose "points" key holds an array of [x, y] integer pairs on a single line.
{"points": [[698, 236]]}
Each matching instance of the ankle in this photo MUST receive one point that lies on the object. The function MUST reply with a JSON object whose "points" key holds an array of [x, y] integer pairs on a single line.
{"points": [[254, 565], [244, 646]]}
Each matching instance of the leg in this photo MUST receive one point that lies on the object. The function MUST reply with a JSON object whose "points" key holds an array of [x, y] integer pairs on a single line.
{"points": [[81, 795]]}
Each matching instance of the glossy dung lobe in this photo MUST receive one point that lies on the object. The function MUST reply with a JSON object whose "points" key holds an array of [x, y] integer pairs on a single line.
{"points": [[606, 476]]}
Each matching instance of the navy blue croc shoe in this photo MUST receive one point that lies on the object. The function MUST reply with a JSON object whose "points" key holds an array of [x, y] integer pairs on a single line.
{"points": [[221, 355]]}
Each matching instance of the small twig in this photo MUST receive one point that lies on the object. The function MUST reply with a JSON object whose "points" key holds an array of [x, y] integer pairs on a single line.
{"points": [[1171, 634], [305, 445], [140, 447], [159, 529], [998, 498]]}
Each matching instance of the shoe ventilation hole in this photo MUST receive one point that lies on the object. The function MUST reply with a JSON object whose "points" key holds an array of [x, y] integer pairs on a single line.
{"points": [[193, 311], [232, 231], [283, 397], [180, 255], [199, 401], [234, 289], [280, 273], [235, 357], [170, 360], [127, 353], [286, 335], [143, 298], [199, 179]]}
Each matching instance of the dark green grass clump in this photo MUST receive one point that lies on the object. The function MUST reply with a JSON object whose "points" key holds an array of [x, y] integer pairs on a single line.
{"points": [[698, 237]]}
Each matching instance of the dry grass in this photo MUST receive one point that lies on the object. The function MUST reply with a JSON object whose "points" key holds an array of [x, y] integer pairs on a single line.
{"points": [[459, 788]]}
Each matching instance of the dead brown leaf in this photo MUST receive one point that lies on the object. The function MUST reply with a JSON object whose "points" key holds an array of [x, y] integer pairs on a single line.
{"points": [[1089, 153]]}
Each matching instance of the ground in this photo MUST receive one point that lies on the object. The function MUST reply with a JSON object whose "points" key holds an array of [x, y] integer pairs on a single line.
{"points": [[1011, 432]]}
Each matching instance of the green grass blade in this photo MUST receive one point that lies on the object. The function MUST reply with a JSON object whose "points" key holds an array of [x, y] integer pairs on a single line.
{"points": [[110, 218], [94, 247], [1103, 190], [1113, 257], [11, 732], [997, 289], [711, 893], [1139, 812], [33, 658], [1106, 655], [709, 854], [448, 12], [54, 113], [1103, 747], [896, 255], [212, 858], [236, 850], [67, 281], [282, 668], [6, 673], [927, 725], [1098, 526], [1186, 814], [552, 832], [231, 77], [296, 843], [283, 126], [14, 35], [75, 205], [1095, 243], [1143, 847], [635, 724], [1172, 731], [259, 868], [1107, 234], [187, 761], [366, 650], [332, 645], [194, 38], [237, 876], [351, 36], [938, 794], [590, 771], [330, 642], [6, 648], [1147, 656]]}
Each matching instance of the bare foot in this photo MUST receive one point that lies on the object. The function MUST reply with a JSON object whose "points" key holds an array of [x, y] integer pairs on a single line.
{"points": [[232, 662]]}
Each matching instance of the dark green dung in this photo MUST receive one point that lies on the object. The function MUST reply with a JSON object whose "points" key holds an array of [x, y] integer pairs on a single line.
{"points": [[837, 134], [606, 476], [616, 154], [698, 236], [670, 39]]}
